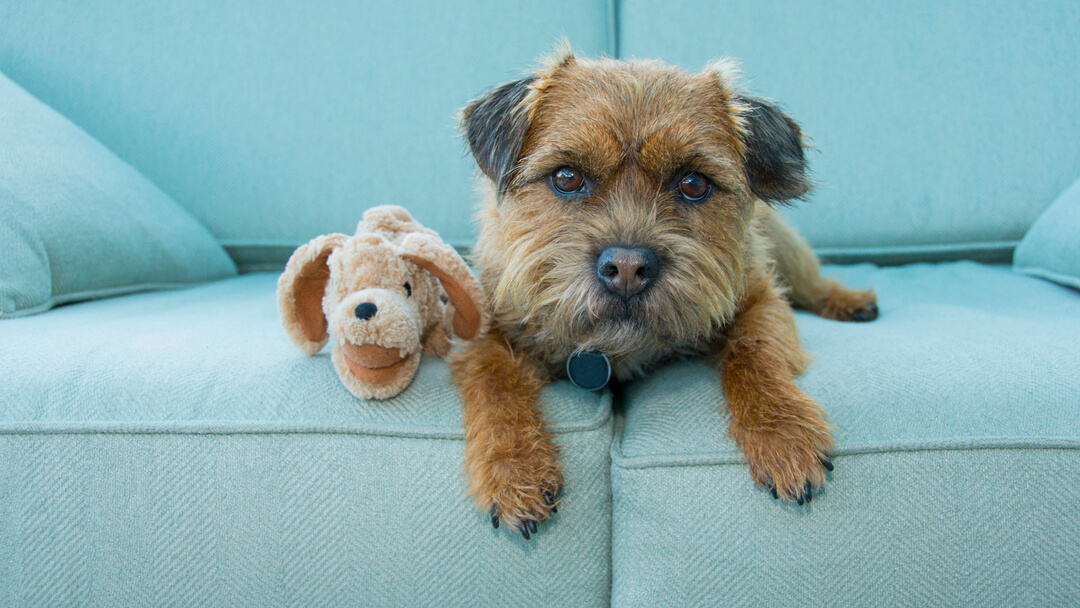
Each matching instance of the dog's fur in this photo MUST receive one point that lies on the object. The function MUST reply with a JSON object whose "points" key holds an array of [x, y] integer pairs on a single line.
{"points": [[731, 267]]}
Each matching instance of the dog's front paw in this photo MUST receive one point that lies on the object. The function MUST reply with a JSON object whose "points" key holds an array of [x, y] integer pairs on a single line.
{"points": [[789, 457], [518, 485]]}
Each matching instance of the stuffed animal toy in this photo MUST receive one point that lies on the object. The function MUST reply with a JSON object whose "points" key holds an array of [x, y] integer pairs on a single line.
{"points": [[386, 295]]}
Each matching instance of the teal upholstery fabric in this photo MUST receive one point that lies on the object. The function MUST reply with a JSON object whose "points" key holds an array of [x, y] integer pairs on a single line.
{"points": [[78, 223], [1051, 249], [939, 128], [276, 122], [173, 448], [957, 418]]}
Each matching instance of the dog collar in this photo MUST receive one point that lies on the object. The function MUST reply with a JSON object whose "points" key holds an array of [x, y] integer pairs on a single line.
{"points": [[589, 370]]}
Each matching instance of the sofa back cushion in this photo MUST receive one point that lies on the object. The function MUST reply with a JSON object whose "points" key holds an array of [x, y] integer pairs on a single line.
{"points": [[273, 123], [77, 223], [940, 128]]}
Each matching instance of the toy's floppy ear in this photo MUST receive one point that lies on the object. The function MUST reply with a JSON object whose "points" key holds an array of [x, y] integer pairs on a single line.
{"points": [[471, 315], [301, 289]]}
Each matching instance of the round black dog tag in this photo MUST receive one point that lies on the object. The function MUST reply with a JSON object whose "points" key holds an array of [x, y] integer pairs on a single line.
{"points": [[590, 371]]}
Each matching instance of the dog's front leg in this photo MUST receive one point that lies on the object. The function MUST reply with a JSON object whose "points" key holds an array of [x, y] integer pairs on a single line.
{"points": [[781, 431], [510, 457]]}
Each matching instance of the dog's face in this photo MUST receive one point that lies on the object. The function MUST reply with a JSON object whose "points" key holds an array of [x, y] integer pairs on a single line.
{"points": [[624, 198]]}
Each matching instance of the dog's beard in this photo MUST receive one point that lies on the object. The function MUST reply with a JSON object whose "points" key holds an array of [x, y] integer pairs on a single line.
{"points": [[553, 289]]}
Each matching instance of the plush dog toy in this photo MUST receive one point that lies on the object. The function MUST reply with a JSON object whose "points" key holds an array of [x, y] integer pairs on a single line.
{"points": [[385, 295]]}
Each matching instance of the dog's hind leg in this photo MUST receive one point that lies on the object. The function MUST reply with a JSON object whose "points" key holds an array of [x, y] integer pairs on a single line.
{"points": [[800, 271]]}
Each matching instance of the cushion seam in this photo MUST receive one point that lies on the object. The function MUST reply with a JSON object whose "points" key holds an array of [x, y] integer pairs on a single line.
{"points": [[278, 428], [1025, 443]]}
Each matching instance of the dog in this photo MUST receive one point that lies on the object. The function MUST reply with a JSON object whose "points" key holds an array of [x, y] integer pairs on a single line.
{"points": [[629, 218]]}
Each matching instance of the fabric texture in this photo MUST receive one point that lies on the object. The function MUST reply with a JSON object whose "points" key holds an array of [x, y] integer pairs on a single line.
{"points": [[935, 127], [78, 223], [1051, 249], [957, 416], [274, 123], [174, 448]]}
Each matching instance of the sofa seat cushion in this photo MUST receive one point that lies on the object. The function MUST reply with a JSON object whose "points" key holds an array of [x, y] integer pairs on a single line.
{"points": [[957, 418], [174, 447]]}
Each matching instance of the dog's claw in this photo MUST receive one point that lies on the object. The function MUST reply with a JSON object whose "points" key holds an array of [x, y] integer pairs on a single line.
{"points": [[866, 314], [532, 526], [809, 493], [825, 462], [494, 518], [548, 498], [524, 530]]}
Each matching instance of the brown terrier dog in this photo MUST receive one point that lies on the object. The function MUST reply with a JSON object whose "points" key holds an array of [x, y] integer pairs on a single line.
{"points": [[628, 216]]}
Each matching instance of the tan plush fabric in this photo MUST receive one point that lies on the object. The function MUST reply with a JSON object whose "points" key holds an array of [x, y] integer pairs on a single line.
{"points": [[382, 297]]}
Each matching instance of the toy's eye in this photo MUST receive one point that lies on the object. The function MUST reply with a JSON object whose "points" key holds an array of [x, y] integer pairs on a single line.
{"points": [[694, 187], [567, 180], [408, 289]]}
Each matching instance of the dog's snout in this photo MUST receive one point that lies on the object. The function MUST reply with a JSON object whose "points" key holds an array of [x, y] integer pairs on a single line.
{"points": [[365, 311], [627, 271]]}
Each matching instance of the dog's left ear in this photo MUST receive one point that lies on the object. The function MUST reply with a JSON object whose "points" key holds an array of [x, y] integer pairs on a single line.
{"points": [[773, 151], [495, 126]]}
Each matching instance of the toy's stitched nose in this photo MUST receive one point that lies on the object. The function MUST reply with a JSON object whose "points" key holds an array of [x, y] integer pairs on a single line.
{"points": [[366, 310], [627, 272]]}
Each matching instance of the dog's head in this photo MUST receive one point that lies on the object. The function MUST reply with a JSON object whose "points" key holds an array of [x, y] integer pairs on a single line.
{"points": [[622, 198], [379, 296]]}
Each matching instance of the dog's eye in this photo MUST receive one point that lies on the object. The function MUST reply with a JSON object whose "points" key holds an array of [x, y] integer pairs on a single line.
{"points": [[694, 187], [567, 180], [408, 289]]}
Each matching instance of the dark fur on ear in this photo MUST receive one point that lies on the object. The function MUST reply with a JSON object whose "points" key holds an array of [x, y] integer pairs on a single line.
{"points": [[775, 164], [495, 126]]}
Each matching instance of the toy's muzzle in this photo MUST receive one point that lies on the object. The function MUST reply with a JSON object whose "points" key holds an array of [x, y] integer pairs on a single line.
{"points": [[373, 363]]}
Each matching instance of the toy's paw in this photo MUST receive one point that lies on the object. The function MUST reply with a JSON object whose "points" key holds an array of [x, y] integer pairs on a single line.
{"points": [[845, 304], [790, 458], [520, 491]]}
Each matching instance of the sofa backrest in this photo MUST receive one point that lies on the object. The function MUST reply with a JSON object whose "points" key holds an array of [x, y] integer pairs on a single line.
{"points": [[942, 129], [274, 122]]}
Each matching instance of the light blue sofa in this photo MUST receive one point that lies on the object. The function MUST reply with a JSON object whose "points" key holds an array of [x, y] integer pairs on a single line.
{"points": [[163, 444]]}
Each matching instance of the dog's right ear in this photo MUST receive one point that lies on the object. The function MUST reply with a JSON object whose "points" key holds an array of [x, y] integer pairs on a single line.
{"points": [[495, 126], [301, 289]]}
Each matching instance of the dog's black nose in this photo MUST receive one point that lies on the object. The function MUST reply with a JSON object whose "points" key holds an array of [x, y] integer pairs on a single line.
{"points": [[366, 310], [627, 271]]}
